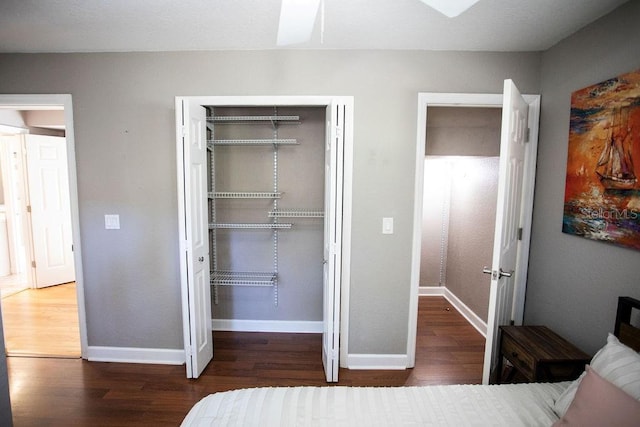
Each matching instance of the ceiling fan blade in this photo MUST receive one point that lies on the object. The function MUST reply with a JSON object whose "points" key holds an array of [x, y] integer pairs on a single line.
{"points": [[297, 18], [450, 8]]}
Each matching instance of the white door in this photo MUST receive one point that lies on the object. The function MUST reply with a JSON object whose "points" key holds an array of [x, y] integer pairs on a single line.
{"points": [[332, 269], [508, 213], [198, 334], [50, 206]]}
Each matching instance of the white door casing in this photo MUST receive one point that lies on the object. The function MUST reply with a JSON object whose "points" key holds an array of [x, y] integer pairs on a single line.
{"points": [[64, 102], [338, 212], [515, 112], [196, 288], [332, 265], [48, 185]]}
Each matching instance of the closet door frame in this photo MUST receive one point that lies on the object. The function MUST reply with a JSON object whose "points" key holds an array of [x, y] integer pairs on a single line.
{"points": [[346, 182]]}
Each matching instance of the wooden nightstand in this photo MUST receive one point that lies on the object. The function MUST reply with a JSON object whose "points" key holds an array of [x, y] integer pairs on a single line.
{"points": [[539, 354]]}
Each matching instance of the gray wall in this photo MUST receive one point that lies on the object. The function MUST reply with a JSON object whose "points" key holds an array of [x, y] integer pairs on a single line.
{"points": [[471, 231], [573, 282], [125, 143]]}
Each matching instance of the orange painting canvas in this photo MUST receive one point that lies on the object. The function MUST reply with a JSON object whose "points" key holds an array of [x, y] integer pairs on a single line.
{"points": [[602, 192]]}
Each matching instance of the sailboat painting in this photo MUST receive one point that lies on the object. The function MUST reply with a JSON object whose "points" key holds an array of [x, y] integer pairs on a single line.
{"points": [[602, 189]]}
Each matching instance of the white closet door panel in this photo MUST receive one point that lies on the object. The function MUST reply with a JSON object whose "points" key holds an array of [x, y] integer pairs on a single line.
{"points": [[333, 239], [198, 316]]}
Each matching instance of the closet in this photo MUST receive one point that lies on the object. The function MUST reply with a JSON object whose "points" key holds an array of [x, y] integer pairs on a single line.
{"points": [[266, 208], [264, 190], [459, 202]]}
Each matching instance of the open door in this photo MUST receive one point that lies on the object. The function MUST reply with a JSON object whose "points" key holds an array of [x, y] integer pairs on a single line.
{"points": [[514, 136], [332, 268], [194, 239], [50, 208]]}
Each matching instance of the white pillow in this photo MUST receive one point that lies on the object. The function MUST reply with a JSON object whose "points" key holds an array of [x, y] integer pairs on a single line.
{"points": [[614, 362]]}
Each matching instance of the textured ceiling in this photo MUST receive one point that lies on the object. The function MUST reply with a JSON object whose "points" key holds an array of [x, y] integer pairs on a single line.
{"points": [[169, 25]]}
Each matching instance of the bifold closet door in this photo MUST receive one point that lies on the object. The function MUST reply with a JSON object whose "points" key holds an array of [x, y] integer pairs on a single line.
{"points": [[197, 327], [332, 268]]}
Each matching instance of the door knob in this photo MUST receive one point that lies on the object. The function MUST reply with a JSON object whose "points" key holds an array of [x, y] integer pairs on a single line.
{"points": [[505, 273], [501, 273]]}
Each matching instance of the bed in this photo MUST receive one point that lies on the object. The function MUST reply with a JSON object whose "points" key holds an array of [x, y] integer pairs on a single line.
{"points": [[607, 393]]}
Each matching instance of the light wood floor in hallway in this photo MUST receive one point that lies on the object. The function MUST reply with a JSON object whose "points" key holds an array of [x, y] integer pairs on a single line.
{"points": [[65, 392], [42, 322]]}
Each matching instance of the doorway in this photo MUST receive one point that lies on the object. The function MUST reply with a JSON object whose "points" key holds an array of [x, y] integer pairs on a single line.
{"points": [[195, 121], [459, 201], [518, 204], [42, 247]]}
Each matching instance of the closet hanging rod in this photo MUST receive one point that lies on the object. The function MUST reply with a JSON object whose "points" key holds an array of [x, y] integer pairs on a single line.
{"points": [[236, 278], [258, 226], [296, 213], [272, 118], [244, 195], [241, 283], [253, 141]]}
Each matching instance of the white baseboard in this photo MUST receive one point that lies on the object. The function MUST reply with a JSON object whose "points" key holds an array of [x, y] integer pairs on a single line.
{"points": [[467, 313], [377, 361], [288, 326], [135, 355], [430, 291]]}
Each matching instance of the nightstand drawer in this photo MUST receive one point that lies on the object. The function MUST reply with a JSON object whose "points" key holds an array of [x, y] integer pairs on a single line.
{"points": [[519, 357]]}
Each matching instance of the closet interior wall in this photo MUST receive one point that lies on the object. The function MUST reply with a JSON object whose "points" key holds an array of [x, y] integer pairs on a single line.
{"points": [[459, 203], [295, 170]]}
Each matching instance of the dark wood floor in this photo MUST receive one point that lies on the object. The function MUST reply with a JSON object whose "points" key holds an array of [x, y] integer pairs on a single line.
{"points": [[73, 392]]}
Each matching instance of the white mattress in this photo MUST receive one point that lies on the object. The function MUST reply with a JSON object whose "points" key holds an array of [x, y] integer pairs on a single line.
{"points": [[450, 405]]}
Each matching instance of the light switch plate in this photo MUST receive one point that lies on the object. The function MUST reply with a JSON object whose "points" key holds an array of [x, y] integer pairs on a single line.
{"points": [[387, 225], [112, 222]]}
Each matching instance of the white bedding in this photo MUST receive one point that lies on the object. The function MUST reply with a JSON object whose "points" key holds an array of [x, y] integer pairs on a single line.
{"points": [[449, 405]]}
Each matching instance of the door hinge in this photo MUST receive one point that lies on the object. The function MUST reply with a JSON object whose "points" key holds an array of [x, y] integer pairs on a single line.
{"points": [[184, 131], [520, 233], [29, 208], [33, 264], [189, 351], [339, 134], [527, 135]]}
